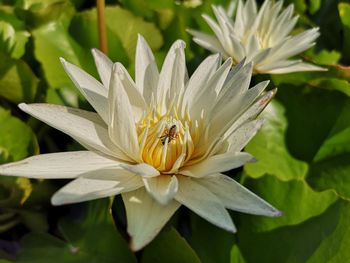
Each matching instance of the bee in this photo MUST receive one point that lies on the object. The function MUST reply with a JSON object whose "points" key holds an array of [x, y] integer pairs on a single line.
{"points": [[171, 134]]}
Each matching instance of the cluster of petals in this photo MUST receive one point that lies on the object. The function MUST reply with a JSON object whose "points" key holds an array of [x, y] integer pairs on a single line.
{"points": [[261, 36], [161, 141]]}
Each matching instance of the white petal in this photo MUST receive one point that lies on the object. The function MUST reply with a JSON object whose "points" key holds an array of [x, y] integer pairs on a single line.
{"points": [[226, 29], [240, 20], [293, 45], [136, 99], [260, 57], [145, 216], [240, 138], [122, 128], [236, 197], [238, 49], [228, 115], [210, 90], [250, 10], [93, 91], [252, 47], [104, 66], [57, 165], [204, 203], [207, 41], [200, 78], [217, 163], [142, 169], [215, 27], [252, 112], [172, 76], [296, 68], [97, 184], [233, 88], [85, 127], [163, 188], [146, 71]]}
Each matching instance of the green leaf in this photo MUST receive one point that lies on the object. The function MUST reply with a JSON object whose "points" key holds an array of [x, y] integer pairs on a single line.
{"points": [[169, 247], [331, 173], [324, 238], [211, 243], [63, 96], [312, 114], [17, 141], [97, 222], [36, 13], [344, 13], [121, 32], [84, 30], [38, 247], [331, 166], [314, 6], [323, 57], [16, 138], [17, 81], [270, 149], [236, 255], [294, 198], [93, 239], [53, 41], [13, 33], [338, 139]]}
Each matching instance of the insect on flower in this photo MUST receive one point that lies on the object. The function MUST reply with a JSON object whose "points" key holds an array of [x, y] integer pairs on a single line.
{"points": [[170, 134]]}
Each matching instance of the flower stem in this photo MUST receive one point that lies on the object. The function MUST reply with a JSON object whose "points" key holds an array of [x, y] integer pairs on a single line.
{"points": [[102, 37]]}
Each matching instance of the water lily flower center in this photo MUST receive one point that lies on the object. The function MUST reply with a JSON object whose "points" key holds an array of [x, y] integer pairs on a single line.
{"points": [[166, 143]]}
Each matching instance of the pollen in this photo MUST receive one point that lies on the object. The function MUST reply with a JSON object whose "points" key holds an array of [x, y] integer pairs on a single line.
{"points": [[166, 142]]}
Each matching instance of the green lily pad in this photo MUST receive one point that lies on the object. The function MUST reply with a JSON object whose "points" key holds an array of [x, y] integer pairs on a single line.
{"points": [[93, 238], [17, 81], [324, 238], [270, 149], [169, 247], [121, 32], [211, 243], [16, 138], [297, 201]]}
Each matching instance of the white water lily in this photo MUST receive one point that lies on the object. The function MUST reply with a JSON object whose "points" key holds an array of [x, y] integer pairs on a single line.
{"points": [[262, 37], [161, 141]]}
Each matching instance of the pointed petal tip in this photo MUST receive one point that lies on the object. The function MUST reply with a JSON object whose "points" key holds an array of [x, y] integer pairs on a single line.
{"points": [[22, 106], [55, 201], [252, 160], [229, 60], [231, 228], [189, 30], [63, 61], [137, 246], [141, 40], [118, 69], [179, 44], [278, 213], [249, 64], [95, 52], [274, 91]]}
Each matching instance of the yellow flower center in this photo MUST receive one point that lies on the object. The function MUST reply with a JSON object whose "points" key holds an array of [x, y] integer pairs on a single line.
{"points": [[166, 142]]}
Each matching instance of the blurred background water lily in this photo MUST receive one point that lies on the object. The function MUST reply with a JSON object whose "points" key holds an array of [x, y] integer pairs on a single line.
{"points": [[161, 141], [262, 36]]}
